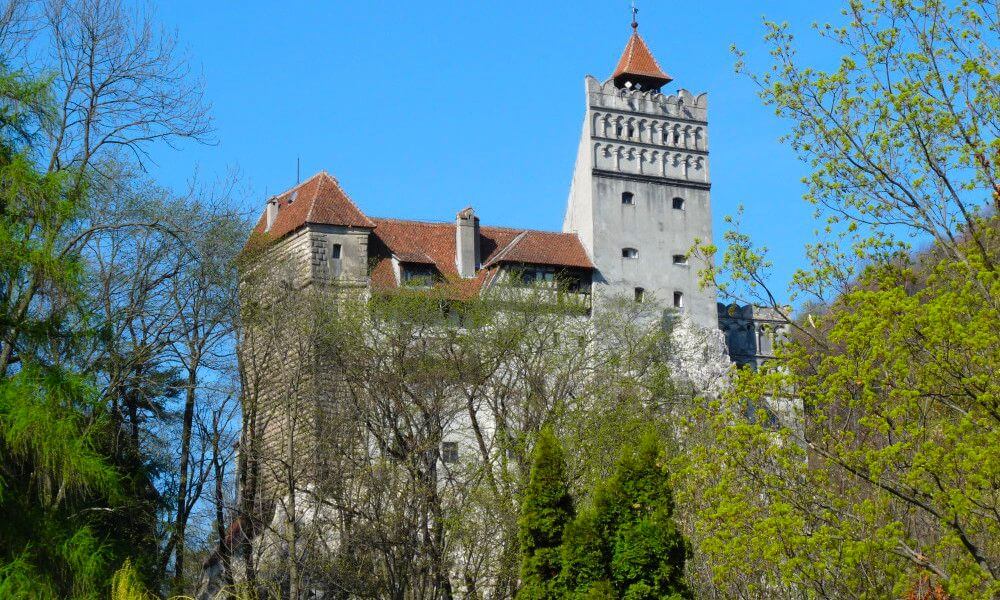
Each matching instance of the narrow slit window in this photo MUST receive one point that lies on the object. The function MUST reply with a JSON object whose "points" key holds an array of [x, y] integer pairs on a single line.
{"points": [[335, 252], [628, 198], [629, 253], [680, 259], [449, 452], [678, 203], [640, 294], [678, 300]]}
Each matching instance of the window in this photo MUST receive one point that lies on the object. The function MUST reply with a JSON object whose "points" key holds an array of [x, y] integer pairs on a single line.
{"points": [[678, 300], [680, 259], [628, 198], [449, 452], [335, 252], [629, 253], [618, 130], [538, 276], [679, 203], [419, 275], [631, 130], [640, 293]]}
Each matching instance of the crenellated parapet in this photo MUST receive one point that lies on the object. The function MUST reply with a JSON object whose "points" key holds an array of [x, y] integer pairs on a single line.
{"points": [[683, 106]]}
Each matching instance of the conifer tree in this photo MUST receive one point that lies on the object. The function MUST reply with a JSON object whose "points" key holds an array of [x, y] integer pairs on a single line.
{"points": [[546, 509], [627, 544], [64, 513]]}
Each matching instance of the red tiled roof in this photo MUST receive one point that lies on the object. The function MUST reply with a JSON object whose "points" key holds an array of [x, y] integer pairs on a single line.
{"points": [[319, 200], [638, 60], [416, 242]]}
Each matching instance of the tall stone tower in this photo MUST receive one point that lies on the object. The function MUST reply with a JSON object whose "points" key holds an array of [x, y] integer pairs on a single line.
{"points": [[640, 190]]}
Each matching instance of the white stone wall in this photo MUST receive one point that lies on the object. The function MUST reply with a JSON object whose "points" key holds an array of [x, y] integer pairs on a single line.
{"points": [[654, 147]]}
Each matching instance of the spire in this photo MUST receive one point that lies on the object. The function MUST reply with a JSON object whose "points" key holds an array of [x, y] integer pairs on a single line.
{"points": [[637, 65]]}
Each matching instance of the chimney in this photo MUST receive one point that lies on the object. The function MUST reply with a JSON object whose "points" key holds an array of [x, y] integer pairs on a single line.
{"points": [[467, 243], [271, 213]]}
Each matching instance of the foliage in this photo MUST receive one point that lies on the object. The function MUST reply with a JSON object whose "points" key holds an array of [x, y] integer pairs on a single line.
{"points": [[546, 508], [888, 483], [902, 438], [56, 480], [627, 544], [125, 585]]}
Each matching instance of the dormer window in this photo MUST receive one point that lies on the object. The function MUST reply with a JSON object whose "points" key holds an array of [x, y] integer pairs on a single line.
{"points": [[335, 252], [419, 275], [680, 259], [678, 204], [628, 198], [629, 253]]}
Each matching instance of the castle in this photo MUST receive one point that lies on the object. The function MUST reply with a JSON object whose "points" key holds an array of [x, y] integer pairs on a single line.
{"points": [[639, 199]]}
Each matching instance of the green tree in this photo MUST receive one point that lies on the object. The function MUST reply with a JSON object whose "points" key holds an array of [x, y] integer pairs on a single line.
{"points": [[57, 486], [887, 480], [627, 545], [546, 509]]}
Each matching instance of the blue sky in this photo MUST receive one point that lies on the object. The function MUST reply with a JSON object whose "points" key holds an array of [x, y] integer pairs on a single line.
{"points": [[422, 108]]}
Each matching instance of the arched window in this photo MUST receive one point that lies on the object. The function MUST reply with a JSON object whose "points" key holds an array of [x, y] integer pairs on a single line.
{"points": [[628, 198], [629, 253], [678, 204]]}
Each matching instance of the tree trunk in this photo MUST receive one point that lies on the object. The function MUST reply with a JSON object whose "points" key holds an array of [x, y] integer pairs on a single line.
{"points": [[225, 546], [180, 522]]}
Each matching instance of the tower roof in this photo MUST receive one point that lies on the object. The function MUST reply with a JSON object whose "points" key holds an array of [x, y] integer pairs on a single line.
{"points": [[638, 65]]}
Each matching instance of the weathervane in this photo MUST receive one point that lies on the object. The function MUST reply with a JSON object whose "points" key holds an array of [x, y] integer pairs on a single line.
{"points": [[635, 17]]}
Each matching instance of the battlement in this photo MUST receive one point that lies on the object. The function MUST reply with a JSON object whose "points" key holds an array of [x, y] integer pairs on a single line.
{"points": [[682, 105]]}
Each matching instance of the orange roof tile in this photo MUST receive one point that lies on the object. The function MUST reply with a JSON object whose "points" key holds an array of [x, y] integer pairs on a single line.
{"points": [[434, 243], [638, 60], [319, 200]]}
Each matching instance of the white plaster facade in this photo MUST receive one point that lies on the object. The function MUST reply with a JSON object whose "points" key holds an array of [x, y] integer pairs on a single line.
{"points": [[654, 148]]}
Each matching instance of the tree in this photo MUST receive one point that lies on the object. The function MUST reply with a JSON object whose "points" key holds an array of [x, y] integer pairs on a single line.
{"points": [[626, 544], [57, 483], [82, 286], [545, 510], [890, 482]]}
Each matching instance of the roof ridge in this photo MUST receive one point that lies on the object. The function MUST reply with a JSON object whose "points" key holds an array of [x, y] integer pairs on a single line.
{"points": [[300, 184], [481, 227]]}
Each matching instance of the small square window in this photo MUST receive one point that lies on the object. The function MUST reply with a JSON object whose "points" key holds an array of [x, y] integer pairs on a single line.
{"points": [[678, 203], [678, 300], [628, 198], [449, 452], [629, 253], [335, 252], [640, 294], [680, 259]]}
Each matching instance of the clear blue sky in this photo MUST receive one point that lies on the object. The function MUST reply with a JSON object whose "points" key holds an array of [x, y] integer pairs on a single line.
{"points": [[422, 108]]}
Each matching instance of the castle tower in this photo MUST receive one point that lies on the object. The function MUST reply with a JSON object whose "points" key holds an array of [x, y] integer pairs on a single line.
{"points": [[640, 191]]}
